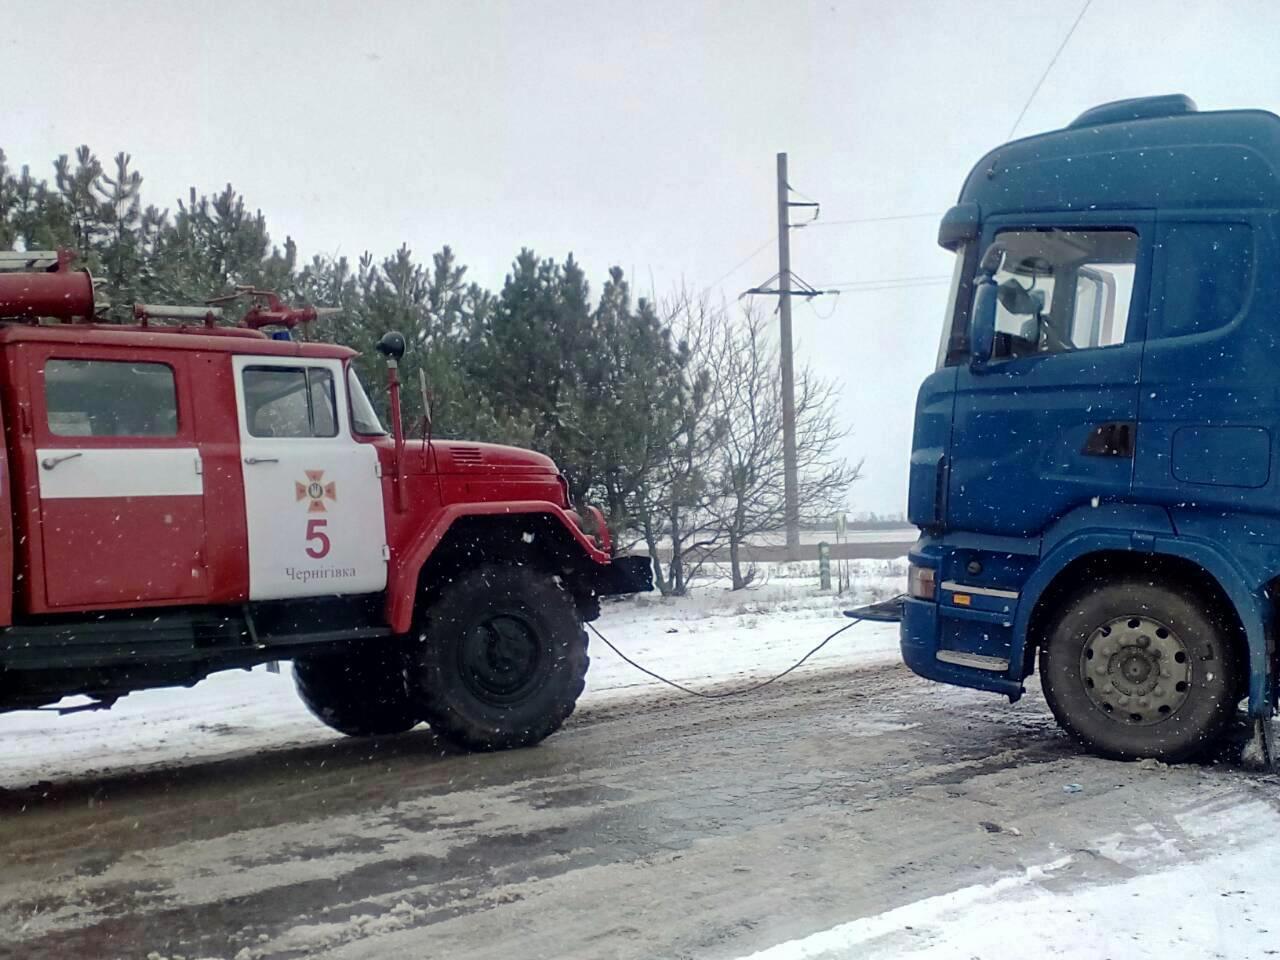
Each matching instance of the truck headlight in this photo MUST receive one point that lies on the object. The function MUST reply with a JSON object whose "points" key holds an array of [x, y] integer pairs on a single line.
{"points": [[922, 582]]}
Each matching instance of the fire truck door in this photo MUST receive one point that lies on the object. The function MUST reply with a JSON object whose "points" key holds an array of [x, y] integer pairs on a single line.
{"points": [[120, 478], [313, 499]]}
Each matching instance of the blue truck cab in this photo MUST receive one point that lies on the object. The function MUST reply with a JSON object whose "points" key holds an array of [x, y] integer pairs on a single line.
{"points": [[1095, 467]]}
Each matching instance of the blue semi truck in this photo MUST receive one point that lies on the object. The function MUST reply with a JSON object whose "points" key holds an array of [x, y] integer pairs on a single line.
{"points": [[1095, 468]]}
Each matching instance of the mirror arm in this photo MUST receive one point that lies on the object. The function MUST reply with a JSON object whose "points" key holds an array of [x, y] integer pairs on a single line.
{"points": [[427, 425], [397, 430], [392, 346]]}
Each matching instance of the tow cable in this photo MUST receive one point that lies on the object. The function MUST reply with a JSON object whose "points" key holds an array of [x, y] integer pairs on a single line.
{"points": [[886, 611]]}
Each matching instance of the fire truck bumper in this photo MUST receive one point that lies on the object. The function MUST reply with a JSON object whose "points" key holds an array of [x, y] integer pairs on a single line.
{"points": [[631, 574]]}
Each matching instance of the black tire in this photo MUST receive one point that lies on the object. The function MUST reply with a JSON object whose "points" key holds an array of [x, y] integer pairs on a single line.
{"points": [[502, 658], [1135, 670], [360, 694]]}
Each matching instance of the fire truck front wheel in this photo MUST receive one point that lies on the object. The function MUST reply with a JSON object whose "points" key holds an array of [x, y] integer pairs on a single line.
{"points": [[361, 695], [502, 658]]}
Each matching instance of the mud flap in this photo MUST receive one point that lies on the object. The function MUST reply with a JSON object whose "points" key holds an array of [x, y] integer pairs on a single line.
{"points": [[1259, 752]]}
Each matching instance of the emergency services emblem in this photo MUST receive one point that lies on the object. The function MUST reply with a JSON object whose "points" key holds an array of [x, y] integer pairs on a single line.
{"points": [[315, 491]]}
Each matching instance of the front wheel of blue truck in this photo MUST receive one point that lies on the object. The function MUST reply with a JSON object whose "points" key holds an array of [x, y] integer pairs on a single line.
{"points": [[1135, 670]]}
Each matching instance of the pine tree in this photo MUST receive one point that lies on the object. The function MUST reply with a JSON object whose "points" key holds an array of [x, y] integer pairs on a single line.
{"points": [[213, 245], [8, 204], [129, 235], [38, 218], [79, 187], [527, 354]]}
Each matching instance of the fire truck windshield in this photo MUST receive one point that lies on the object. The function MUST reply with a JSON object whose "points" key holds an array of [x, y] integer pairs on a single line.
{"points": [[364, 419]]}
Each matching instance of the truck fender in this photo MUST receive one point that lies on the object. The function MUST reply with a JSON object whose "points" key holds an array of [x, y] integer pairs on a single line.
{"points": [[1148, 530], [402, 577]]}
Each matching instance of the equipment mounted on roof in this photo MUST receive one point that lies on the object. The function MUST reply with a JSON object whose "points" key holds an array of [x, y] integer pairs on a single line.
{"points": [[40, 285]]}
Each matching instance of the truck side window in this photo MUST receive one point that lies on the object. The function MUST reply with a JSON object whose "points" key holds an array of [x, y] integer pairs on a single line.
{"points": [[1061, 290], [1206, 275], [110, 398], [290, 402]]}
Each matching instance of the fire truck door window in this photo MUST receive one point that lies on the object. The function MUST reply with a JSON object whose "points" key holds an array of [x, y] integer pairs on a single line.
{"points": [[290, 402], [324, 413], [110, 398]]}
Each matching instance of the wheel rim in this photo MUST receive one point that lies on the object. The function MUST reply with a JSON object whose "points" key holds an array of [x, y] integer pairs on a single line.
{"points": [[499, 658], [1136, 670]]}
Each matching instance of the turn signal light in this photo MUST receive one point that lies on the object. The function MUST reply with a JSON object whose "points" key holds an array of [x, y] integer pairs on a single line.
{"points": [[922, 582]]}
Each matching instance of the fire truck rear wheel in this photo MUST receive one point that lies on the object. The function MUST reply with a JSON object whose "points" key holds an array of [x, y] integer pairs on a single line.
{"points": [[361, 695], [1136, 670], [503, 658]]}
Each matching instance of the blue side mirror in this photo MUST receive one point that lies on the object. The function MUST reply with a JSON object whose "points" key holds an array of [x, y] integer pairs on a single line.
{"points": [[982, 335], [982, 318]]}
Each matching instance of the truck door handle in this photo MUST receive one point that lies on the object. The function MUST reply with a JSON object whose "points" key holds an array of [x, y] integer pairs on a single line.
{"points": [[256, 460], [50, 462]]}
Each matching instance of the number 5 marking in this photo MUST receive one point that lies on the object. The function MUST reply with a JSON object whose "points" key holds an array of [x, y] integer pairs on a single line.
{"points": [[315, 532]]}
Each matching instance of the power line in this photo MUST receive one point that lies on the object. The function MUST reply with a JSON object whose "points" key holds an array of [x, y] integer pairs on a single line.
{"points": [[1048, 67], [873, 286], [840, 223], [740, 264], [898, 286], [846, 284], [835, 305]]}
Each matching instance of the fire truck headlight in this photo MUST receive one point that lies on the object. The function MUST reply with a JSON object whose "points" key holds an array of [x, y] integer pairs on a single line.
{"points": [[922, 582]]}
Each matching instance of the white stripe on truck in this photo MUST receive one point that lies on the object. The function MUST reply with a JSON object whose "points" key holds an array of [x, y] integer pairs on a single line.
{"points": [[73, 472]]}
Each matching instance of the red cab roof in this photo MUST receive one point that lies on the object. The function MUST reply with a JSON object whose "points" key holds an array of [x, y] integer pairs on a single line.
{"points": [[218, 340]]}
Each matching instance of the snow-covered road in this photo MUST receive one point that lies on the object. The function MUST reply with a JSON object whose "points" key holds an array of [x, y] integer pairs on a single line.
{"points": [[714, 635], [849, 811]]}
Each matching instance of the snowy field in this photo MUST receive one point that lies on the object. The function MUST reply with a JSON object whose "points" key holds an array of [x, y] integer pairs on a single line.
{"points": [[906, 535], [903, 534], [712, 636]]}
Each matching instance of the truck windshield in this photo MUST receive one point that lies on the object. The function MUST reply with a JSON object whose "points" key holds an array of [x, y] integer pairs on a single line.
{"points": [[364, 419]]}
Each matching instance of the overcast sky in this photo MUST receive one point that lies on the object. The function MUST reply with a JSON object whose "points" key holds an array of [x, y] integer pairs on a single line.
{"points": [[633, 133]]}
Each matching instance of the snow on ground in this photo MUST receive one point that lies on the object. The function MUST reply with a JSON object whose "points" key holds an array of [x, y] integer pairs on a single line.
{"points": [[1218, 906], [713, 635], [903, 534]]}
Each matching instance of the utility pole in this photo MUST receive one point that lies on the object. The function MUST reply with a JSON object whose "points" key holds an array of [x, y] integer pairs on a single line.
{"points": [[791, 503], [789, 286]]}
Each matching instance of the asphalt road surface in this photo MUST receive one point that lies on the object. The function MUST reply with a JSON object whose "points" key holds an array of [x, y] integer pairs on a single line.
{"points": [[663, 827]]}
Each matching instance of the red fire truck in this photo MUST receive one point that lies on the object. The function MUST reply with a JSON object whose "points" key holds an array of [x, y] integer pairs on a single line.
{"points": [[180, 496]]}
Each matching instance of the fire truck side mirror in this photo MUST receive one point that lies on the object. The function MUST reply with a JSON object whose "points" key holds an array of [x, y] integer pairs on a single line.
{"points": [[392, 346]]}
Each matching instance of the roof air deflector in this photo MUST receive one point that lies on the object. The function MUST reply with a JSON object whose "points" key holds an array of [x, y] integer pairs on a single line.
{"points": [[1139, 108]]}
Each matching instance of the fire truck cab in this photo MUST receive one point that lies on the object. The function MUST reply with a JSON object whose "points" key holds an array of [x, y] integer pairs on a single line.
{"points": [[181, 499]]}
